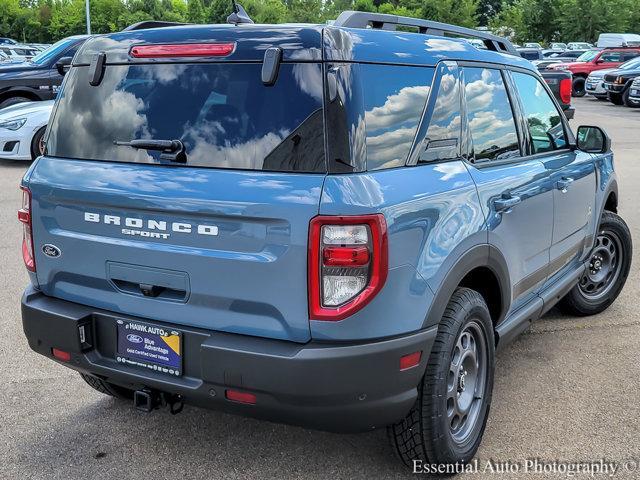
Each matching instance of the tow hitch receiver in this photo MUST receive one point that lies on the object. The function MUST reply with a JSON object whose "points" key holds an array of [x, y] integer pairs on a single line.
{"points": [[147, 400]]}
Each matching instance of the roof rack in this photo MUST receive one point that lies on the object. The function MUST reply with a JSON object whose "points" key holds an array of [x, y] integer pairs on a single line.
{"points": [[152, 24], [351, 19]]}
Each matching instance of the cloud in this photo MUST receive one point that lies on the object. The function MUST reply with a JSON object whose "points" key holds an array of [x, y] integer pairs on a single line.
{"points": [[398, 108]]}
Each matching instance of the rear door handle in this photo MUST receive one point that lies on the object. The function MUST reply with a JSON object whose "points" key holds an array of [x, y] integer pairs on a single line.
{"points": [[505, 204], [564, 184]]}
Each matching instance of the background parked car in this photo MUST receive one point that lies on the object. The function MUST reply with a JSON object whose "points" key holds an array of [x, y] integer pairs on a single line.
{"points": [[38, 79], [593, 60], [618, 82], [19, 52], [634, 94], [558, 57], [595, 85], [7, 41], [533, 45], [579, 46], [530, 53], [559, 46], [618, 40], [22, 128]]}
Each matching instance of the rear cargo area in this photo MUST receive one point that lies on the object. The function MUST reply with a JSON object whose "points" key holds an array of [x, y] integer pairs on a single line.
{"points": [[179, 188], [221, 250]]}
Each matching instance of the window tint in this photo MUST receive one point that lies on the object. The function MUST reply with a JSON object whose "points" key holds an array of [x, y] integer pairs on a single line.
{"points": [[545, 127], [611, 57], [394, 98], [630, 56], [493, 129], [442, 140], [222, 113]]}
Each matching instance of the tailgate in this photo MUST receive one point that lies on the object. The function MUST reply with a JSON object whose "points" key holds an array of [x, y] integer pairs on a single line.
{"points": [[217, 249]]}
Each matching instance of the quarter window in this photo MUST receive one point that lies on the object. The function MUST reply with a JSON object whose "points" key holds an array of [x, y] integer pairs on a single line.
{"points": [[490, 117], [394, 98], [546, 130]]}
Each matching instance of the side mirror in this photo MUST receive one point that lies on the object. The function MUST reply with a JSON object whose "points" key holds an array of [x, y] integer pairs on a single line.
{"points": [[593, 139], [63, 65]]}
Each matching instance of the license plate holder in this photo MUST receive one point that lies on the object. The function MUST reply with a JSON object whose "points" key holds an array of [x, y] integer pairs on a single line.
{"points": [[149, 346]]}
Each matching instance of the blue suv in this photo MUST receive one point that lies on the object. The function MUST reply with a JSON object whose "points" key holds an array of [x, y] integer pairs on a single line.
{"points": [[334, 226]]}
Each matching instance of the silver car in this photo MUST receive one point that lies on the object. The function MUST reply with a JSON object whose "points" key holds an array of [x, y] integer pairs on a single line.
{"points": [[595, 84]]}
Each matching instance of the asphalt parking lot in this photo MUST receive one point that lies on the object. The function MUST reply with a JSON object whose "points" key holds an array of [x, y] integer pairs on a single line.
{"points": [[567, 390]]}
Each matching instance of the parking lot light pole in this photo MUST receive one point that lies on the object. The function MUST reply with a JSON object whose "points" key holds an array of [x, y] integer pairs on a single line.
{"points": [[88, 17]]}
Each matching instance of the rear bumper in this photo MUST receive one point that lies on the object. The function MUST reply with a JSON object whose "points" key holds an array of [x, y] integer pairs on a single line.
{"points": [[336, 387]]}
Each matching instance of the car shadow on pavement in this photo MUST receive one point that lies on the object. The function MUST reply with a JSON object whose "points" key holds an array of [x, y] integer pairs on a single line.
{"points": [[108, 435]]}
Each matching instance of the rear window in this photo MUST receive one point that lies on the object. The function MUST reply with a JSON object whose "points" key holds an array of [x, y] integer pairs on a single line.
{"points": [[222, 113]]}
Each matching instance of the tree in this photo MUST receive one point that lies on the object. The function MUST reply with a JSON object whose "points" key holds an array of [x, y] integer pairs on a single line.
{"points": [[458, 12], [218, 11], [195, 11]]}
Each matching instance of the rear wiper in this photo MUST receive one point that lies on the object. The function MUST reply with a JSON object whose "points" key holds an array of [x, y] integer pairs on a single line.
{"points": [[172, 150]]}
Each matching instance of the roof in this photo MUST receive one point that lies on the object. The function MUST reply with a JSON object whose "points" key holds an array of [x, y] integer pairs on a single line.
{"points": [[302, 43]]}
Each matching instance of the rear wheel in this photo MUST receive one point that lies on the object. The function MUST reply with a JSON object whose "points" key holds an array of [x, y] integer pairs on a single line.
{"points": [[607, 270], [37, 144], [13, 101], [107, 388], [578, 87], [446, 424]]}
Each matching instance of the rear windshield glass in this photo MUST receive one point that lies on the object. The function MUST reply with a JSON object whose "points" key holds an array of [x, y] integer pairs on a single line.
{"points": [[222, 113]]}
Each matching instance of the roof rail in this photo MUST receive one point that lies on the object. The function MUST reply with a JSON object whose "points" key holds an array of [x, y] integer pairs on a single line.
{"points": [[152, 24], [351, 19]]}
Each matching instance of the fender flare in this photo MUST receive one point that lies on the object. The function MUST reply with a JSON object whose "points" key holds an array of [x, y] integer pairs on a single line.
{"points": [[484, 255]]}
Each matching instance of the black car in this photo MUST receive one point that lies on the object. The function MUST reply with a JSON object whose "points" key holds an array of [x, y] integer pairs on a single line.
{"points": [[39, 78], [618, 82], [530, 53]]}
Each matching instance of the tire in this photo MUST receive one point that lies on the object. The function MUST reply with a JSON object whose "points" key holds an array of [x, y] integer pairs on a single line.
{"points": [[616, 98], [107, 388], [426, 434], [583, 299], [14, 100], [36, 144], [625, 97], [578, 87]]}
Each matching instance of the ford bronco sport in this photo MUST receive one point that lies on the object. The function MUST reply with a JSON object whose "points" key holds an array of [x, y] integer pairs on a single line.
{"points": [[327, 225]]}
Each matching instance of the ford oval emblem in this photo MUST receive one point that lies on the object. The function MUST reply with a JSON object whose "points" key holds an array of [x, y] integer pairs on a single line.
{"points": [[134, 338], [51, 250]]}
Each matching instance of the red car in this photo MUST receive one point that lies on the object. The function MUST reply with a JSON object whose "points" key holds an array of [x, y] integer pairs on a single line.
{"points": [[593, 60]]}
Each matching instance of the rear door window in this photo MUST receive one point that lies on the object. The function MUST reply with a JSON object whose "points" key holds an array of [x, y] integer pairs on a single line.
{"points": [[489, 114], [546, 130], [222, 113]]}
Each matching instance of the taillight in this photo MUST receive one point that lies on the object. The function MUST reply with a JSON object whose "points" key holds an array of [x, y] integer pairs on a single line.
{"points": [[24, 215], [565, 90], [348, 264], [183, 50]]}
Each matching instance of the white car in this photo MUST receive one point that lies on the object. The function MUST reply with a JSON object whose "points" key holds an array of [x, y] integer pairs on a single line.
{"points": [[594, 85], [18, 52], [22, 128]]}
